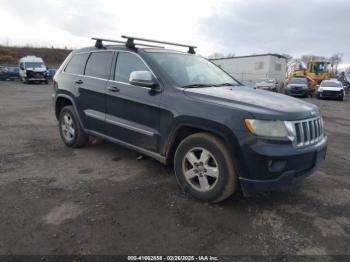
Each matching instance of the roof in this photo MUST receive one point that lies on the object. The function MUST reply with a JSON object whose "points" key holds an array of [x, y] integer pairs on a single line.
{"points": [[31, 59], [231, 57]]}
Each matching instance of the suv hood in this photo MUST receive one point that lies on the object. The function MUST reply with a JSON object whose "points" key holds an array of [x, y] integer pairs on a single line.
{"points": [[298, 85], [331, 88], [261, 104]]}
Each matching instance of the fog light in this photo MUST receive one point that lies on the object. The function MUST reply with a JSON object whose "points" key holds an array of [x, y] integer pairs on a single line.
{"points": [[276, 165]]}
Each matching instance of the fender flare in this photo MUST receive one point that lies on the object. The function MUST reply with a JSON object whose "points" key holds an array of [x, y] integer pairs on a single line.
{"points": [[74, 106], [206, 125]]}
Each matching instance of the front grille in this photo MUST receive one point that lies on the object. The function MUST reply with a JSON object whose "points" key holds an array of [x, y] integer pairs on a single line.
{"points": [[331, 93], [296, 89], [309, 131], [38, 75]]}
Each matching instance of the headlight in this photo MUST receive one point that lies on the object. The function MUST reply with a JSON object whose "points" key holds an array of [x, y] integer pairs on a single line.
{"points": [[271, 128], [320, 89]]}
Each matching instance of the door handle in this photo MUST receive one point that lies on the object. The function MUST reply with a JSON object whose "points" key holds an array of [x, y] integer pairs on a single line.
{"points": [[113, 89], [79, 82]]}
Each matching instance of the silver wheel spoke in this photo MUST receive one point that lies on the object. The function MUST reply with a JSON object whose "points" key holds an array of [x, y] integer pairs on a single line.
{"points": [[191, 157], [203, 183], [190, 173], [65, 118], [212, 171], [71, 131], [205, 156]]}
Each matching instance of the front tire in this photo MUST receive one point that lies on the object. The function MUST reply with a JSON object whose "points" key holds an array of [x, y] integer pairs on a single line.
{"points": [[204, 168], [71, 132]]}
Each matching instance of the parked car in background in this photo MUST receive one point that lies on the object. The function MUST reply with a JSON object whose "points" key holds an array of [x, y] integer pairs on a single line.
{"points": [[9, 73], [331, 89], [32, 69], [298, 86], [270, 84], [50, 74]]}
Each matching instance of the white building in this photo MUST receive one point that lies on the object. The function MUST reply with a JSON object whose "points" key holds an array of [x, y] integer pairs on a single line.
{"points": [[248, 69]]}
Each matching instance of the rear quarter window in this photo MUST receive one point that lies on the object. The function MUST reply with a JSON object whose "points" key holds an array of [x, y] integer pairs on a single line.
{"points": [[76, 64]]}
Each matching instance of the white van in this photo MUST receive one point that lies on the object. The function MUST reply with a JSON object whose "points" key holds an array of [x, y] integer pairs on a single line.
{"points": [[32, 69]]}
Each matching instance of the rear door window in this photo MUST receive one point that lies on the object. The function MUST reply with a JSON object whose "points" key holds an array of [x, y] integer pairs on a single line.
{"points": [[76, 64], [127, 63], [99, 64]]}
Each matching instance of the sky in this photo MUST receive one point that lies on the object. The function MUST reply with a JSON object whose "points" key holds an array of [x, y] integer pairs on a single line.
{"points": [[242, 27]]}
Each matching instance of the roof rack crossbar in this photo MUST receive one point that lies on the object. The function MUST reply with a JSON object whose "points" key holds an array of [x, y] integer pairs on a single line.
{"points": [[130, 43], [99, 44]]}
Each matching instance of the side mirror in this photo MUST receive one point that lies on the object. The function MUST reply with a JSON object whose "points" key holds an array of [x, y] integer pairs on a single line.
{"points": [[142, 78]]}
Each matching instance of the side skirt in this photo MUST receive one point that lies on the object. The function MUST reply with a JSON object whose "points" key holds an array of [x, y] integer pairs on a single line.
{"points": [[158, 157]]}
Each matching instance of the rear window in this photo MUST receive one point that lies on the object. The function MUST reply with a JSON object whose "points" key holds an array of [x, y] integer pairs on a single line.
{"points": [[99, 64], [76, 64]]}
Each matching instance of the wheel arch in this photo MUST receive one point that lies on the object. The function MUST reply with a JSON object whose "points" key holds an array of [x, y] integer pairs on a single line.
{"points": [[186, 128], [63, 100]]}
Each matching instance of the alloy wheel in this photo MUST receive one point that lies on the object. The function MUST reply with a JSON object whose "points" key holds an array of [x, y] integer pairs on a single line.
{"points": [[200, 169], [68, 127]]}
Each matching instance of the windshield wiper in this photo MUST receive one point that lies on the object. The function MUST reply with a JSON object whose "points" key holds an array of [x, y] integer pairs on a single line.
{"points": [[196, 85], [227, 84]]}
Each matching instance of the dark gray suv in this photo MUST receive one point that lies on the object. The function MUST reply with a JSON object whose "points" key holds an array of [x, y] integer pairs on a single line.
{"points": [[182, 110]]}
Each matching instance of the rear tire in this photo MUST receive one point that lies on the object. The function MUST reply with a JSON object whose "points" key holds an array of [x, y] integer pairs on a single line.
{"points": [[71, 132], [204, 168]]}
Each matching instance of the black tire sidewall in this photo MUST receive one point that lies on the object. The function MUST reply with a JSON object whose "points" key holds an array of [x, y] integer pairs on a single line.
{"points": [[223, 179], [69, 109]]}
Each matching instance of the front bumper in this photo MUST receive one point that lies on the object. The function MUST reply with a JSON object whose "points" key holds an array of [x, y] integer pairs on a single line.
{"points": [[36, 76], [277, 165], [330, 94], [36, 79]]}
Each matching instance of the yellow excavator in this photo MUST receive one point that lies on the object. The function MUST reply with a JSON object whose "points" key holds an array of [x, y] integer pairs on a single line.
{"points": [[315, 72]]}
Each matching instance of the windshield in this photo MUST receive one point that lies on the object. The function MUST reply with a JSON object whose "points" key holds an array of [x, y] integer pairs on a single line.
{"points": [[298, 81], [319, 68], [191, 71], [330, 84], [34, 64]]}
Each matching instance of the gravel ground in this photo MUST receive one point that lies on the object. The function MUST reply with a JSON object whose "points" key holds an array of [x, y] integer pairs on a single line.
{"points": [[102, 200]]}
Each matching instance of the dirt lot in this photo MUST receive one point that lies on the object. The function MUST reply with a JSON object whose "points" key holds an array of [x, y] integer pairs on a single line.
{"points": [[102, 200]]}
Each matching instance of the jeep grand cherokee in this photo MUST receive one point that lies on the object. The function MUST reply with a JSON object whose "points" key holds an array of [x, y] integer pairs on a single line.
{"points": [[183, 110]]}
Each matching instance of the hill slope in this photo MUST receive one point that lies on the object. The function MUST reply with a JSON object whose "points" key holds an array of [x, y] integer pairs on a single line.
{"points": [[53, 57]]}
